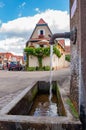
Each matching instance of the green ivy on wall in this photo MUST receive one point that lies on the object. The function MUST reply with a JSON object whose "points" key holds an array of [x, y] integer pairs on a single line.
{"points": [[67, 57], [40, 53]]}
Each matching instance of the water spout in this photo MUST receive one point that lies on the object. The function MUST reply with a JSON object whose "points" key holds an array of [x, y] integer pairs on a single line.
{"points": [[72, 35]]}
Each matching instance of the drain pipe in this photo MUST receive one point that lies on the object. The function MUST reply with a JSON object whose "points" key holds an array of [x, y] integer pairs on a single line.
{"points": [[72, 35]]}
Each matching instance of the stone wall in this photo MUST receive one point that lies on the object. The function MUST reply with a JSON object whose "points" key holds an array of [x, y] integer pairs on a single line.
{"points": [[83, 62], [74, 83], [78, 60]]}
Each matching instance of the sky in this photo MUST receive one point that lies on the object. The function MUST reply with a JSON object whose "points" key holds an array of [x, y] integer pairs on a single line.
{"points": [[18, 19]]}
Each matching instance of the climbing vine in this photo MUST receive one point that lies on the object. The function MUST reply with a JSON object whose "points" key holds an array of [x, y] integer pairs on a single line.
{"points": [[41, 52]]}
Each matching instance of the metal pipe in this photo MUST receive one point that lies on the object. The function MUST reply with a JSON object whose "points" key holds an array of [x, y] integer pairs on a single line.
{"points": [[72, 35]]}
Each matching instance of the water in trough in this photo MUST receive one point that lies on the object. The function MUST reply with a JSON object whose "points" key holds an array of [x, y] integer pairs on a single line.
{"points": [[46, 104]]}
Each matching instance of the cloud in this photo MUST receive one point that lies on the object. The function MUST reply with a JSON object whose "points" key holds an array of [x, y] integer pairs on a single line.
{"points": [[14, 45], [22, 5], [2, 4], [37, 10], [21, 28]]}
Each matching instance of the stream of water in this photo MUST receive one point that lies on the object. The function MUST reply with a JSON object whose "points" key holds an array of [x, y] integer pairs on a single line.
{"points": [[51, 73], [46, 104]]}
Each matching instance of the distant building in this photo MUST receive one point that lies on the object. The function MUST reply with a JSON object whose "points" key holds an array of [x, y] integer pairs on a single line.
{"points": [[8, 57], [40, 37], [61, 46]]}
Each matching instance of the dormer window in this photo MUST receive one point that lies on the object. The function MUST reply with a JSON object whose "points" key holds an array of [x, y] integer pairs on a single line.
{"points": [[41, 33]]}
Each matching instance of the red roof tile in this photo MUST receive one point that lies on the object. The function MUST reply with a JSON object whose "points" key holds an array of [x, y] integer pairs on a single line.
{"points": [[8, 55], [62, 43], [41, 21]]}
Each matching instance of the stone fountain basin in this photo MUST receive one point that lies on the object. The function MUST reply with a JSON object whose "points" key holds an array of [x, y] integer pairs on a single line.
{"points": [[14, 115]]}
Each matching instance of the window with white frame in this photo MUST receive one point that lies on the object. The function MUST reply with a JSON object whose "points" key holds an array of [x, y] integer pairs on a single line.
{"points": [[41, 32]]}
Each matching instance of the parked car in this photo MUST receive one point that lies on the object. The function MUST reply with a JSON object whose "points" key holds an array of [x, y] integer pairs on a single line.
{"points": [[14, 66], [1, 67]]}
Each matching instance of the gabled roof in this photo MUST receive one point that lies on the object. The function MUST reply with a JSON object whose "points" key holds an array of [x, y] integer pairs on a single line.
{"points": [[65, 47], [62, 42], [41, 21]]}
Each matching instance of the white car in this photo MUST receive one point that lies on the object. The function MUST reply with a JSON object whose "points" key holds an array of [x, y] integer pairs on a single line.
{"points": [[1, 66]]}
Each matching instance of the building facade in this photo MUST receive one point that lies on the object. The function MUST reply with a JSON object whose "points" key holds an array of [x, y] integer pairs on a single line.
{"points": [[40, 38], [8, 57]]}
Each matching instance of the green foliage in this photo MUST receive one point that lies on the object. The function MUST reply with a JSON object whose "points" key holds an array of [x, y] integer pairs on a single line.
{"points": [[37, 68], [46, 68], [56, 51], [67, 58], [47, 51], [40, 53], [31, 68], [30, 50], [40, 69], [43, 52], [73, 110], [40, 61]]}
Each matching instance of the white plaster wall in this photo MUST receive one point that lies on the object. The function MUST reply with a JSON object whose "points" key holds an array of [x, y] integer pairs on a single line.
{"points": [[67, 64], [57, 63], [45, 28], [46, 61], [33, 61], [62, 61]]}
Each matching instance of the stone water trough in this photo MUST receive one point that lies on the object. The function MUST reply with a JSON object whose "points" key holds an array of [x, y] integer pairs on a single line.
{"points": [[15, 115]]}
